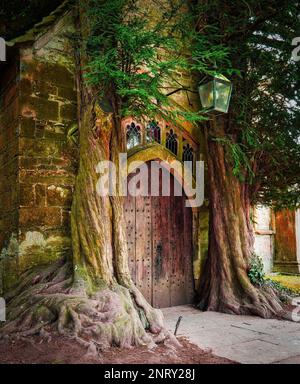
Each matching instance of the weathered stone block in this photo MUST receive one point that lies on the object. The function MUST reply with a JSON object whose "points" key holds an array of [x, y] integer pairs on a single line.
{"points": [[40, 195], [46, 177], [44, 89], [59, 196], [57, 74], [26, 195], [68, 112], [39, 129], [26, 86], [28, 162], [61, 162], [40, 217], [27, 127], [66, 218], [67, 93], [36, 248], [39, 148], [55, 136], [40, 108]]}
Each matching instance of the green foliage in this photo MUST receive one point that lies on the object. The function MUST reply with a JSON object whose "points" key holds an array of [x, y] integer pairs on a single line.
{"points": [[256, 270], [257, 277], [138, 55], [263, 128]]}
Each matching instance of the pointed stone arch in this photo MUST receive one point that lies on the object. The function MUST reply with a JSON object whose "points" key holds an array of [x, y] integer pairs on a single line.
{"points": [[159, 152]]}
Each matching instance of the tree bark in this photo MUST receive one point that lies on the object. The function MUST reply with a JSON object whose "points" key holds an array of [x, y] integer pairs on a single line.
{"points": [[225, 285], [91, 214]]}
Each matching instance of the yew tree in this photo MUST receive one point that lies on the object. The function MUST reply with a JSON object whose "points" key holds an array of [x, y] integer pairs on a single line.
{"points": [[253, 153]]}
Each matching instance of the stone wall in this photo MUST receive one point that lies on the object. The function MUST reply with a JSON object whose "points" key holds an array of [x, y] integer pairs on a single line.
{"points": [[37, 162], [264, 236], [9, 192], [47, 163]]}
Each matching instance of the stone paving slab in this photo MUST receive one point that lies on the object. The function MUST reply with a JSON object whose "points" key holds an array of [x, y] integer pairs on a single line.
{"points": [[245, 339], [290, 360]]}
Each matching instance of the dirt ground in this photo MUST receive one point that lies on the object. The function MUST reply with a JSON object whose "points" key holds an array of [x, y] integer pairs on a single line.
{"points": [[65, 351]]}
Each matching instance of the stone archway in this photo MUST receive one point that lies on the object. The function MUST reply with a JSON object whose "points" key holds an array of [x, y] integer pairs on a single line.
{"points": [[158, 152]]}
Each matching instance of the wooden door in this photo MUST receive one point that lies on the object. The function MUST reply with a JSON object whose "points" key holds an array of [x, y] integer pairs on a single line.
{"points": [[159, 240]]}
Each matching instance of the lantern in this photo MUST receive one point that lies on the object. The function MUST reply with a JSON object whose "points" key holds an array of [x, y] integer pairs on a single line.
{"points": [[215, 94]]}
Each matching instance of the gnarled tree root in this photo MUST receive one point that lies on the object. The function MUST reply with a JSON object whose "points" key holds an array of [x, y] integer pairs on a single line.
{"points": [[110, 316], [258, 301]]}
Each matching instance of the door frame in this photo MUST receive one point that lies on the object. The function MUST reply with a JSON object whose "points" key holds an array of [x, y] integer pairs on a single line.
{"points": [[158, 152]]}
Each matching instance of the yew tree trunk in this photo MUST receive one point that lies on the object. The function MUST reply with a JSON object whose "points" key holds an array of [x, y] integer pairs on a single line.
{"points": [[225, 285], [91, 214], [100, 257]]}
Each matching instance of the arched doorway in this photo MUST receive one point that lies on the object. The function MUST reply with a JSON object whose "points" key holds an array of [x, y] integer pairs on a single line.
{"points": [[160, 244]]}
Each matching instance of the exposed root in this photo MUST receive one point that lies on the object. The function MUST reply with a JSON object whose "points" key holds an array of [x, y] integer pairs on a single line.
{"points": [[110, 316], [258, 301]]}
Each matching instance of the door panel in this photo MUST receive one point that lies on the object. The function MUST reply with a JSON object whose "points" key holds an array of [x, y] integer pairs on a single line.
{"points": [[188, 250], [143, 249], [129, 209], [161, 256], [177, 255]]}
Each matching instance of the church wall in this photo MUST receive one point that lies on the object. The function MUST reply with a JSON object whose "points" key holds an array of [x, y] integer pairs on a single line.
{"points": [[38, 162], [47, 164], [264, 236], [9, 192]]}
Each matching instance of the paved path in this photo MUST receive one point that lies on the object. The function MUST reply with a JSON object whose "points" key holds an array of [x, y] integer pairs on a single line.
{"points": [[245, 339]]}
